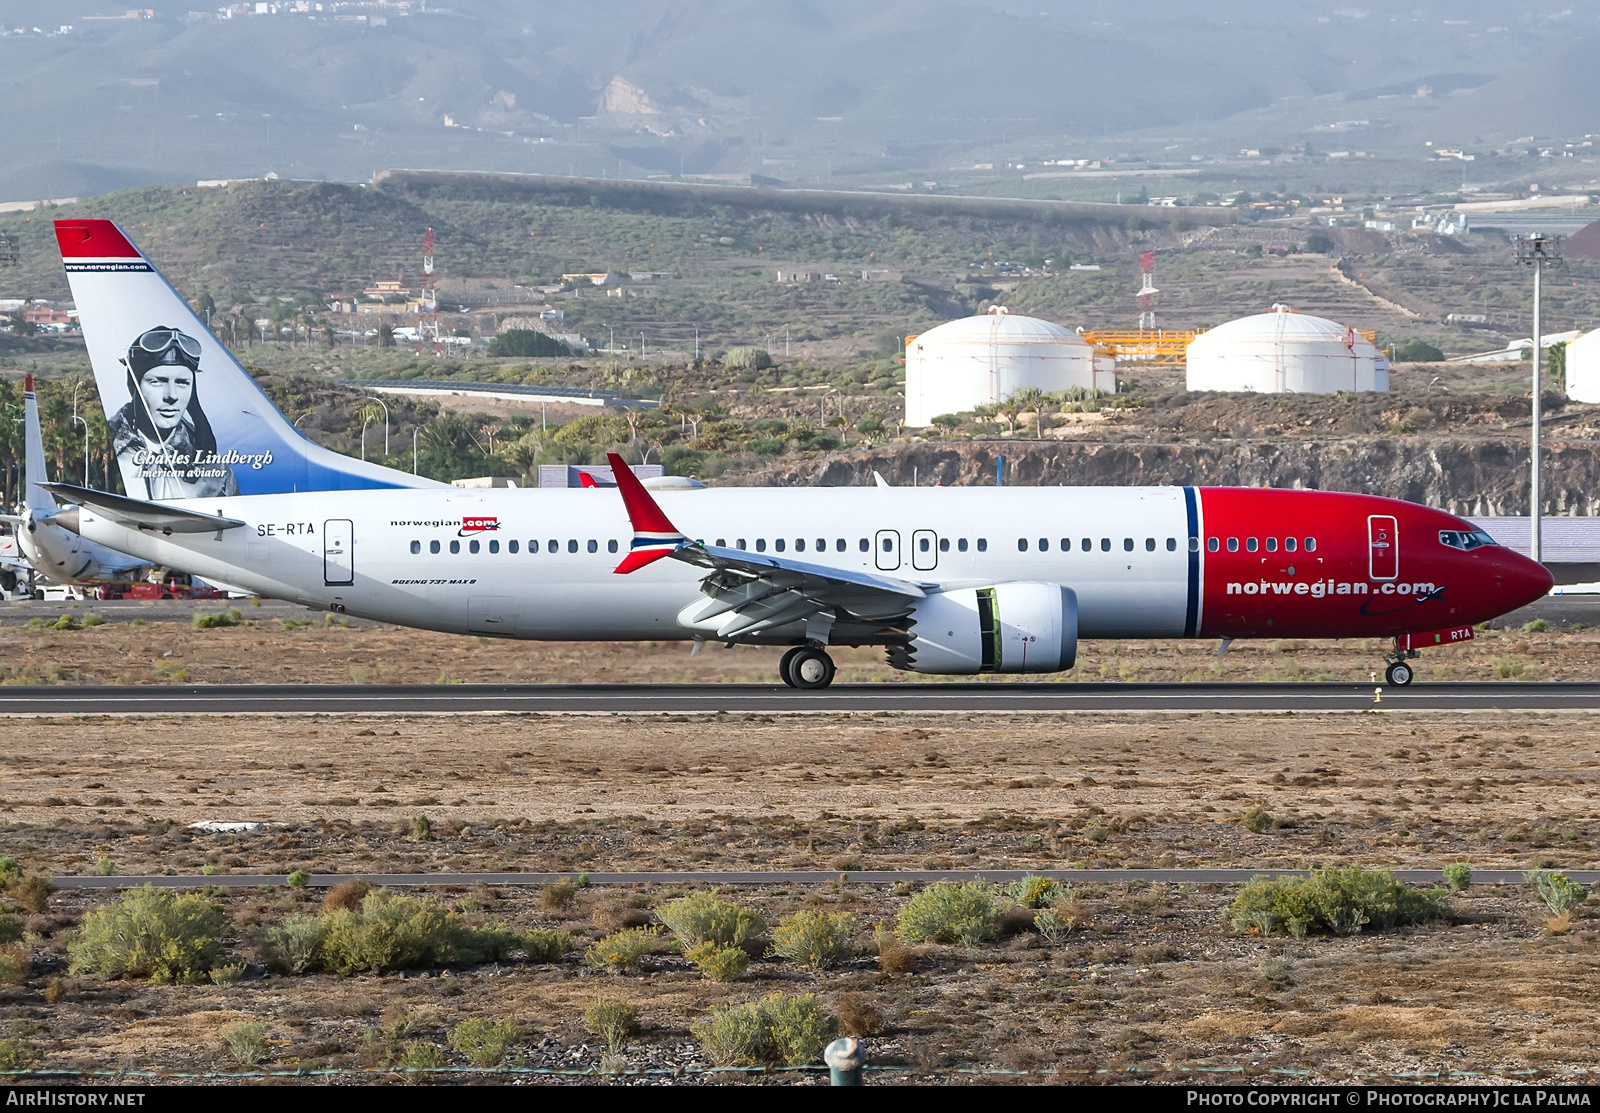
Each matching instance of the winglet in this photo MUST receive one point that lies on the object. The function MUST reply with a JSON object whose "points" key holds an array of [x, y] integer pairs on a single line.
{"points": [[653, 535]]}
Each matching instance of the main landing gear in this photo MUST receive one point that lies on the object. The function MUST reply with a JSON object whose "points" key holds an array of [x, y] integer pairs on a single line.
{"points": [[806, 667], [1399, 673]]}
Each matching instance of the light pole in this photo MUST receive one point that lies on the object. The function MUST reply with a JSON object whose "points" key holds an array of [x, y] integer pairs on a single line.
{"points": [[85, 425], [413, 450], [364, 425], [1535, 251]]}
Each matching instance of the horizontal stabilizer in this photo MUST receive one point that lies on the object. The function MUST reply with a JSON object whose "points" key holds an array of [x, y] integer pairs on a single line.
{"points": [[138, 514]]}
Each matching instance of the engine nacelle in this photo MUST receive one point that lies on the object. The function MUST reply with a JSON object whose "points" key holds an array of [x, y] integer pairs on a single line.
{"points": [[1015, 627]]}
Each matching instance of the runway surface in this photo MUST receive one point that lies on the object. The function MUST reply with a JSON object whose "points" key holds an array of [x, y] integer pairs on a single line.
{"points": [[772, 877], [280, 699]]}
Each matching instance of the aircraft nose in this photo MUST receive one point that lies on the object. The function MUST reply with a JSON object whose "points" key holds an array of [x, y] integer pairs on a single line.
{"points": [[1522, 580]]}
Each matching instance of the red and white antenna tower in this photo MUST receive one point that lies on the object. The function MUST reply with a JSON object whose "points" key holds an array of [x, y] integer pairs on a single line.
{"points": [[1147, 291], [429, 322]]}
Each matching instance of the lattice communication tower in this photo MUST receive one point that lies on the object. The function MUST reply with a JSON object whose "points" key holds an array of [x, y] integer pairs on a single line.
{"points": [[1147, 291]]}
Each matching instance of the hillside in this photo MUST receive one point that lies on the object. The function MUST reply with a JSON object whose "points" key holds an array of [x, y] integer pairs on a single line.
{"points": [[820, 92]]}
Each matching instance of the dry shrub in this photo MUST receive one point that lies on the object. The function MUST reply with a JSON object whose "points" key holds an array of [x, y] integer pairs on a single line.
{"points": [[620, 910], [13, 964], [965, 912], [55, 991], [621, 950], [780, 1029], [33, 893], [485, 1042], [705, 918], [1429, 1024], [813, 940], [558, 896], [894, 957], [150, 933], [1558, 925], [720, 964], [347, 895], [612, 1020], [858, 1016]]}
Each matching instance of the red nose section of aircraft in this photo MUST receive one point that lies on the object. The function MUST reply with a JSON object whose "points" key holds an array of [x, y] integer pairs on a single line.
{"points": [[1318, 564]]}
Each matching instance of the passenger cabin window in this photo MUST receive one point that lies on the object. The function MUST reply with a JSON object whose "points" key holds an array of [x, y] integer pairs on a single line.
{"points": [[611, 546], [722, 542], [961, 545], [1066, 544], [779, 545], [1172, 544], [1456, 539], [983, 544], [1194, 544], [472, 546], [1022, 544], [1288, 544], [924, 544], [1272, 544], [455, 546], [1233, 544], [1044, 544], [888, 545], [494, 546], [840, 545], [433, 546], [511, 547], [944, 544], [572, 546], [1212, 544], [594, 546], [1105, 544], [822, 545], [761, 544], [739, 544], [1127, 544], [1088, 543], [1150, 544], [799, 544], [416, 547], [1251, 544], [866, 546], [1311, 544], [554, 547]]}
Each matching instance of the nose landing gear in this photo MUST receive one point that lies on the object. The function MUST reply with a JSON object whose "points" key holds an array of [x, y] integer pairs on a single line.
{"points": [[807, 668], [1399, 673]]}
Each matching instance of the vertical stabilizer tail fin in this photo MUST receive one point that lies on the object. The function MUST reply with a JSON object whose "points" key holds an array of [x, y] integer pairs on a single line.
{"points": [[187, 421], [654, 535], [35, 497]]}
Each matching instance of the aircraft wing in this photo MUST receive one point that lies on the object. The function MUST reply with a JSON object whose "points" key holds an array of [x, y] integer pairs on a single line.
{"points": [[750, 593], [138, 514]]}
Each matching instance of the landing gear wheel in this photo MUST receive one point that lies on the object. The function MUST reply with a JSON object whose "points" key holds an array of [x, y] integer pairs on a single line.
{"points": [[786, 663], [1399, 674], [811, 669]]}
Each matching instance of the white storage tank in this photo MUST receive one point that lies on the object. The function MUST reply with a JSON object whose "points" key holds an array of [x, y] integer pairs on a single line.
{"points": [[1583, 367], [976, 361], [1284, 351]]}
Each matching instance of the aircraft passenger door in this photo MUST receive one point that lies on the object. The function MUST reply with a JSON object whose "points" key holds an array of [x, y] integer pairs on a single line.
{"points": [[338, 551], [924, 550], [1383, 547], [886, 549]]}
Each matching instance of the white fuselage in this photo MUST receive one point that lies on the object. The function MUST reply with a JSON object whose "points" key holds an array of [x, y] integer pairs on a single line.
{"points": [[538, 563], [63, 557]]}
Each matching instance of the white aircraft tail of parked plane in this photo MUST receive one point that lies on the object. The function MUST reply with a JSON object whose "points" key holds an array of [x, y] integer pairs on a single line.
{"points": [[56, 554]]}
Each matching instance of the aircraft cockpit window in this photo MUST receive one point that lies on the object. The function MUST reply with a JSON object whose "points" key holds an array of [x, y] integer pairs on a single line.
{"points": [[1466, 540]]}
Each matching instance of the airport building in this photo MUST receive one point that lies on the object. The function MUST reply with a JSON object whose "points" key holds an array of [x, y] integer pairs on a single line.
{"points": [[977, 361], [1583, 367], [1282, 351]]}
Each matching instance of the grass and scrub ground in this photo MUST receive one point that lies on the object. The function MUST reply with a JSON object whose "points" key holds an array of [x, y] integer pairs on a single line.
{"points": [[1351, 976]]}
